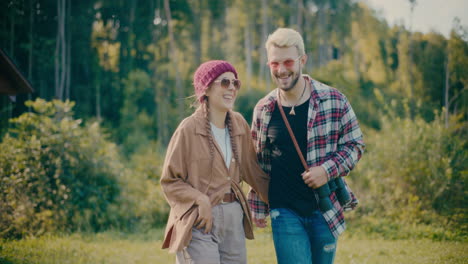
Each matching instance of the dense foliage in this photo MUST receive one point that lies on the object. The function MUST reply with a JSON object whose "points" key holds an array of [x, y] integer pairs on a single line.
{"points": [[414, 173], [59, 175], [128, 65]]}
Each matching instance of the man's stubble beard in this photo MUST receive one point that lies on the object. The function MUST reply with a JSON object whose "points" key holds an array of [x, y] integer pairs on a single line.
{"points": [[294, 82]]}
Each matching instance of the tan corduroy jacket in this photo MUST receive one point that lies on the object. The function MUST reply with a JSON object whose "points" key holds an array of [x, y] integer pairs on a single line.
{"points": [[188, 172]]}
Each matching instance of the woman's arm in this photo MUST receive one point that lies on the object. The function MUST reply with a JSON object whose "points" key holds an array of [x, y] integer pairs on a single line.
{"points": [[252, 173], [180, 195]]}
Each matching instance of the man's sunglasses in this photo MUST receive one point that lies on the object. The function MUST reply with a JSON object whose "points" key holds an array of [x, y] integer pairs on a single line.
{"points": [[289, 63], [226, 82]]}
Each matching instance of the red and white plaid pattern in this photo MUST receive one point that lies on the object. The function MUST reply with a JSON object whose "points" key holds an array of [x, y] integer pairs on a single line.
{"points": [[334, 141]]}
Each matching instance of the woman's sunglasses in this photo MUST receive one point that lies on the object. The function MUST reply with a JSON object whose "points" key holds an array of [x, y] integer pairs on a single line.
{"points": [[226, 82]]}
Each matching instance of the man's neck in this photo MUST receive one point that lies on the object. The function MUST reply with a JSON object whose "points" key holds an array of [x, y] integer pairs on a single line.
{"points": [[293, 96]]}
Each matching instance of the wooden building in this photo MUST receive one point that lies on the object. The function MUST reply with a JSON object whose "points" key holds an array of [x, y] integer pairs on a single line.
{"points": [[12, 81], [12, 84]]}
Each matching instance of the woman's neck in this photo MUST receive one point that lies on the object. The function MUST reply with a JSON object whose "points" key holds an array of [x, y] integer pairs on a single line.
{"points": [[218, 118]]}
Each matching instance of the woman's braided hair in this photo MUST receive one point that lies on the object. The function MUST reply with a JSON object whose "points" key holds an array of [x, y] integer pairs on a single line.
{"points": [[233, 143], [206, 110]]}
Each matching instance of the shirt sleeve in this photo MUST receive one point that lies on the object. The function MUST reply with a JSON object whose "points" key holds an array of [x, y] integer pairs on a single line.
{"points": [[252, 173], [258, 208], [180, 195], [350, 145]]}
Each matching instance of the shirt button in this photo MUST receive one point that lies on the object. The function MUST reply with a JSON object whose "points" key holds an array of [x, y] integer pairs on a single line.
{"points": [[228, 178]]}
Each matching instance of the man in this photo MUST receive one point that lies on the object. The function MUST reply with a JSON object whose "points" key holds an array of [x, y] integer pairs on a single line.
{"points": [[330, 140]]}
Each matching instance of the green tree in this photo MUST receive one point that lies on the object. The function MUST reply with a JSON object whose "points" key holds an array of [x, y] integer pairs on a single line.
{"points": [[136, 123], [56, 174], [457, 70]]}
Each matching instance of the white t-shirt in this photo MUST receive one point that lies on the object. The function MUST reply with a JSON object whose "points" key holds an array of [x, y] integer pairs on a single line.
{"points": [[223, 139]]}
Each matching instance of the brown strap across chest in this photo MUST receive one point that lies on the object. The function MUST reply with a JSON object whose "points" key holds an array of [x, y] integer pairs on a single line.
{"points": [[291, 134]]}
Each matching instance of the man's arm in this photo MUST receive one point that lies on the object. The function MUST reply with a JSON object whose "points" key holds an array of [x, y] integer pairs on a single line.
{"points": [[258, 208], [350, 145]]}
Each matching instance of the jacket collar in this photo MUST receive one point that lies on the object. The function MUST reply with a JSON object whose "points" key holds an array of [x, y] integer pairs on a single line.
{"points": [[200, 128]]}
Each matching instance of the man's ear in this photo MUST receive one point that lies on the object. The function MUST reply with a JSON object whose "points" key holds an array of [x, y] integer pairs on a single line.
{"points": [[304, 59]]}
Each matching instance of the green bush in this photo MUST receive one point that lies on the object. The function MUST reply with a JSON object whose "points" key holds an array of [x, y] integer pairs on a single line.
{"points": [[142, 204], [136, 124], [56, 174], [414, 173], [246, 102]]}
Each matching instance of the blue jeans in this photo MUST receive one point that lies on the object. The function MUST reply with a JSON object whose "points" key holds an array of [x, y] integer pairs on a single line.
{"points": [[302, 240]]}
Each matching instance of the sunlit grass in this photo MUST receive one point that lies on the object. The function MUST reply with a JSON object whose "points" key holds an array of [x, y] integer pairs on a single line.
{"points": [[115, 247]]}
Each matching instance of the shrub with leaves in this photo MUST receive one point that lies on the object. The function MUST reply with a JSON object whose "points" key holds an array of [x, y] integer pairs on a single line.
{"points": [[55, 174], [141, 203], [414, 172]]}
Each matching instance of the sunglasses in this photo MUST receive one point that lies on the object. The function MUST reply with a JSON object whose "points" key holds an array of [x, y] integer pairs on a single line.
{"points": [[225, 83], [289, 63]]}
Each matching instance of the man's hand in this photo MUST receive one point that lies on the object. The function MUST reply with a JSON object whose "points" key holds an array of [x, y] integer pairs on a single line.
{"points": [[205, 218], [260, 222], [315, 177]]}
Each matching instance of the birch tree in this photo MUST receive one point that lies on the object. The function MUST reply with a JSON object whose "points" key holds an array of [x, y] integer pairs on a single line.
{"points": [[61, 58]]}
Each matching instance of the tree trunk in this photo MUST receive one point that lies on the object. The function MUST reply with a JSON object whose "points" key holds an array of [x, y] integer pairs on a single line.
{"points": [[159, 96], [31, 44], [57, 51], [130, 38], [322, 36], [31, 39], [300, 9], [292, 12], [12, 34], [68, 53], [60, 51], [307, 40], [410, 72], [248, 54], [446, 90], [174, 62], [356, 49], [262, 51], [410, 56], [98, 94], [197, 9], [63, 51]]}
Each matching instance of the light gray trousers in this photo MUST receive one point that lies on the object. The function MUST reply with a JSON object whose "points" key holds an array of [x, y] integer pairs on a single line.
{"points": [[225, 244]]}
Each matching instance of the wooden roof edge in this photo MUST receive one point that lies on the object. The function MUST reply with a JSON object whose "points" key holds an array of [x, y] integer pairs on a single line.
{"points": [[14, 74]]}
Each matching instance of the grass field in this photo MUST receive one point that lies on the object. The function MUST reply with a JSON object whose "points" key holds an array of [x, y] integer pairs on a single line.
{"points": [[114, 247]]}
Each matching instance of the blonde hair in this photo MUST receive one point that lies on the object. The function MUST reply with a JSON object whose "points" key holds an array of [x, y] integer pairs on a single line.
{"points": [[285, 38]]}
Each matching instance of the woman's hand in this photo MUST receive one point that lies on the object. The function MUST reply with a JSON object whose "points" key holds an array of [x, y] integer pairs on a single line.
{"points": [[205, 219]]}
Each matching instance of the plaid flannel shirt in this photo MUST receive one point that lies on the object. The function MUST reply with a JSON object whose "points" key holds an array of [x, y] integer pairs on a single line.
{"points": [[334, 141]]}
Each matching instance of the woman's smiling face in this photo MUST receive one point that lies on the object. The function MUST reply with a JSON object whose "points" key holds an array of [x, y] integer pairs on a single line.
{"points": [[220, 98]]}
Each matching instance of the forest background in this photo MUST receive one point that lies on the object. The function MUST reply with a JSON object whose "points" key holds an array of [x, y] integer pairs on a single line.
{"points": [[112, 80]]}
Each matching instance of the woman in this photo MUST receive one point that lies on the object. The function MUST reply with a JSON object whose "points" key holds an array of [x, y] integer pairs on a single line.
{"points": [[209, 155]]}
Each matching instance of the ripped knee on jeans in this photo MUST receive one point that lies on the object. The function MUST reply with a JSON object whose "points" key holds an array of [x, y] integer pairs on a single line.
{"points": [[329, 247], [274, 214]]}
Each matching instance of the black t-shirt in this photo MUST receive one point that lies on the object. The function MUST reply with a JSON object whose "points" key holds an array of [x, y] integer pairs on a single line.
{"points": [[287, 189]]}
